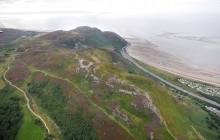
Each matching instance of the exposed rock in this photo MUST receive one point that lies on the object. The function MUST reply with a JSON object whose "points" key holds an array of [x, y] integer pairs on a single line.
{"points": [[127, 92], [151, 135], [120, 114], [116, 80]]}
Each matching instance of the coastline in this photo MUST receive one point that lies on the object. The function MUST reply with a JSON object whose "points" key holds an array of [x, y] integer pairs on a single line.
{"points": [[150, 54]]}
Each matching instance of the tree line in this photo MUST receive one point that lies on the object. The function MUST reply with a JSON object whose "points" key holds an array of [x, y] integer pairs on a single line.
{"points": [[51, 97], [10, 118]]}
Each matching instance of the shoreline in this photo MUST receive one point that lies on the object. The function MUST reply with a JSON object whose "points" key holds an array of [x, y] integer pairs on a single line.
{"points": [[150, 54]]}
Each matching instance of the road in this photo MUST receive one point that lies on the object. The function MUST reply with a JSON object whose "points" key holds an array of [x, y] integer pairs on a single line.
{"points": [[24, 93], [128, 57]]}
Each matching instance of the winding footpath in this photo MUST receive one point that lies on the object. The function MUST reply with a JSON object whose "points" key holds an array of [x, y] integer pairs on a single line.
{"points": [[128, 57], [24, 93], [94, 104]]}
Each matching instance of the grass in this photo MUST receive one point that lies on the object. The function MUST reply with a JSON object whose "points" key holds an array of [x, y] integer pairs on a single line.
{"points": [[137, 129], [84, 87], [107, 69], [137, 117], [51, 98], [54, 131], [2, 84], [173, 79], [29, 129], [179, 115], [98, 107], [3, 66], [140, 116], [6, 92], [40, 111]]}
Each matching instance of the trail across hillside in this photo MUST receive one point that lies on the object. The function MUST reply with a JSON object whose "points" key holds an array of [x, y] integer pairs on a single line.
{"points": [[27, 99], [94, 104]]}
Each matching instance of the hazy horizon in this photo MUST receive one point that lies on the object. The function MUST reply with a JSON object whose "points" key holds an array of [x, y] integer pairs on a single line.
{"points": [[144, 19], [131, 17]]}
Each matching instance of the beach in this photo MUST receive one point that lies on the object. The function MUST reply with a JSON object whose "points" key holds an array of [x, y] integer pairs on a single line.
{"points": [[173, 62]]}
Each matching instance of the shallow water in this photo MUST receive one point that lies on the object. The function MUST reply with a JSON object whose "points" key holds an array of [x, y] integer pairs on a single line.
{"points": [[200, 54]]}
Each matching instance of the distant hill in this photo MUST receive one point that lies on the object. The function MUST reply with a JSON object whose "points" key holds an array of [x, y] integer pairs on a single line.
{"points": [[12, 34], [85, 35]]}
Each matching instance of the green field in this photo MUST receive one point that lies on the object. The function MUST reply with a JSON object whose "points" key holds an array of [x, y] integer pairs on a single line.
{"points": [[29, 129]]}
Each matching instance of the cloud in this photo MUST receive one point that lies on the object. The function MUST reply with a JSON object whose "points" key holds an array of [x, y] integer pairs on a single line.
{"points": [[8, 1], [117, 7]]}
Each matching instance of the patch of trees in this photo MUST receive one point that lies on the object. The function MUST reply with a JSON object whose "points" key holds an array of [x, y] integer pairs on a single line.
{"points": [[6, 92], [211, 97], [213, 121], [10, 118], [51, 97], [123, 63], [2, 58]]}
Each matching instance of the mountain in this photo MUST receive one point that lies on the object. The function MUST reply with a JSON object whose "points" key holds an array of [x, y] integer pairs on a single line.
{"points": [[12, 34], [85, 35]]}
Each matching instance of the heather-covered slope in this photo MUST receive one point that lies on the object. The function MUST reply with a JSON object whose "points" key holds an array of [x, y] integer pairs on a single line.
{"points": [[84, 89], [12, 34], [88, 36], [91, 83]]}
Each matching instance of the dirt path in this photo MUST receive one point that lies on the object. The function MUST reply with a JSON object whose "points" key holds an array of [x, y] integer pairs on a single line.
{"points": [[27, 99], [197, 133], [94, 104]]}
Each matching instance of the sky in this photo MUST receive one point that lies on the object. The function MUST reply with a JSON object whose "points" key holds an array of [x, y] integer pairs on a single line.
{"points": [[116, 7], [140, 18], [139, 15]]}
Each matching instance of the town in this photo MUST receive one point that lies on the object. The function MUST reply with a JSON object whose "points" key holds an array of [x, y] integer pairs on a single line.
{"points": [[203, 88]]}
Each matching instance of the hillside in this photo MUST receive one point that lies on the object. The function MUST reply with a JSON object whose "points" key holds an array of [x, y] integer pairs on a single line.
{"points": [[88, 36], [12, 34], [82, 88]]}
